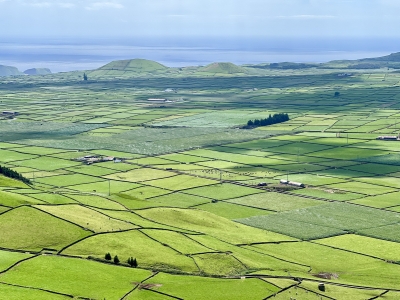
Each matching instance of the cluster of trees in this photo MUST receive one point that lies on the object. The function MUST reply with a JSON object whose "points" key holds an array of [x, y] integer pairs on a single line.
{"points": [[13, 174], [131, 261], [276, 118]]}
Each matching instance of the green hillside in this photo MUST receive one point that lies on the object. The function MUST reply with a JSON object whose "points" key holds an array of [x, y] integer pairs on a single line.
{"points": [[8, 70], [134, 65], [37, 71], [223, 68]]}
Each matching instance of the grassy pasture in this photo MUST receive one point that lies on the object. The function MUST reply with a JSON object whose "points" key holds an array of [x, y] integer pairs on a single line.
{"points": [[9, 292], [323, 220], [365, 245], [13, 200], [6, 182], [293, 228], [361, 187], [180, 182], [137, 220], [67, 180], [47, 163], [329, 194], [187, 287], [149, 253], [179, 200], [386, 232], [86, 217], [142, 174], [30, 229], [177, 241], [380, 201], [10, 258], [321, 261], [312, 179], [38, 150], [348, 153], [171, 221], [223, 191], [11, 156], [231, 211], [69, 276], [275, 201], [210, 224], [104, 187]]}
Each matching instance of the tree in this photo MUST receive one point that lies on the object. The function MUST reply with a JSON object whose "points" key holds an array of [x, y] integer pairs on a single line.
{"points": [[85, 77], [132, 262], [116, 259], [107, 256], [250, 123], [337, 94]]}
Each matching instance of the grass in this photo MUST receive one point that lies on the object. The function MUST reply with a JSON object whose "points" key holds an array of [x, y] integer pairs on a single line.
{"points": [[177, 241], [149, 253], [329, 194], [66, 180], [10, 156], [142, 174], [96, 201], [231, 211], [10, 258], [188, 287], [365, 245], [223, 191], [349, 267], [104, 187], [9, 292], [30, 229], [47, 163], [196, 135], [14, 200], [293, 228], [86, 217], [365, 188], [69, 276], [389, 232], [380, 201], [179, 200], [210, 224], [275, 201], [180, 182], [323, 220], [137, 220]]}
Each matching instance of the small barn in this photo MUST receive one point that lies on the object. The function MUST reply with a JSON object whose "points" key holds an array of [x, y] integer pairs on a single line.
{"points": [[388, 138]]}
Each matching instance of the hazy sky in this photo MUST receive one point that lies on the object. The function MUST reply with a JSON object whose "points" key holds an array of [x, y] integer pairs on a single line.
{"points": [[199, 18]]}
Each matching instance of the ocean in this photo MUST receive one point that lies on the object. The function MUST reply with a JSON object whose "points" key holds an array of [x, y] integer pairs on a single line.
{"points": [[61, 55]]}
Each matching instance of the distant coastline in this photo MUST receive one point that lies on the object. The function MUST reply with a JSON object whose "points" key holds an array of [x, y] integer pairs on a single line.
{"points": [[63, 57]]}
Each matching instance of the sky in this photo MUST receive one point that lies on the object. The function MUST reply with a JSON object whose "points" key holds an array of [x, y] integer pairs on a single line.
{"points": [[77, 19]]}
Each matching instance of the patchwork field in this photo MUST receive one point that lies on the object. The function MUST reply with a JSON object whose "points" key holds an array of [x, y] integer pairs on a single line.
{"points": [[134, 199]]}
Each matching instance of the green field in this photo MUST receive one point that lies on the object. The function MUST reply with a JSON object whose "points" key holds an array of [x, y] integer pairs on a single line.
{"points": [[195, 198]]}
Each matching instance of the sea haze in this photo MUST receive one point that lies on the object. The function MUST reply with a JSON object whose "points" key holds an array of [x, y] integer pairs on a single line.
{"points": [[71, 54]]}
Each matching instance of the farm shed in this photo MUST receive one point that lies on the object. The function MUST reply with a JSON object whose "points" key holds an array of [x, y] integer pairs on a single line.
{"points": [[388, 138], [293, 183], [157, 100], [10, 113]]}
